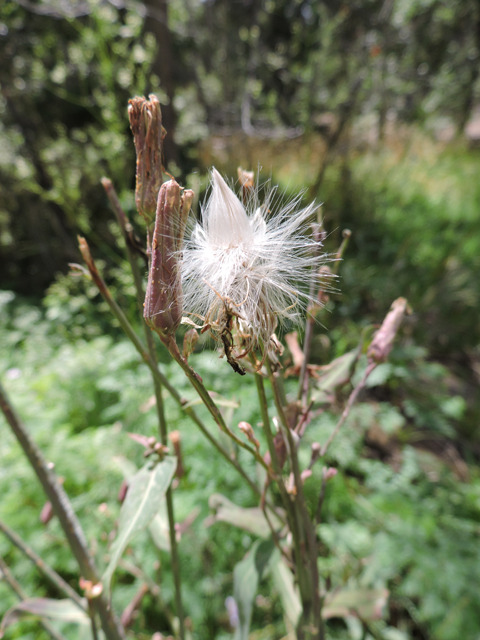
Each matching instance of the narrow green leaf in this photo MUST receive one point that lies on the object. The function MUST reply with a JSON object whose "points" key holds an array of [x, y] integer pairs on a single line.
{"points": [[146, 489], [252, 520], [284, 584], [335, 375], [158, 528], [62, 610], [246, 577], [367, 604]]}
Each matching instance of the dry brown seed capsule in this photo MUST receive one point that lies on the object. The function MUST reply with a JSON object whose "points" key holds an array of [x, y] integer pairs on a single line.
{"points": [[164, 299], [146, 123], [382, 342]]}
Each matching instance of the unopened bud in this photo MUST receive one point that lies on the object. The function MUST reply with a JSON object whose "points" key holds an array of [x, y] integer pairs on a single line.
{"points": [[47, 513], [122, 492], [316, 448], [280, 450], [290, 485], [246, 178], [247, 429], [382, 342], [305, 475], [160, 449], [146, 123], [163, 299], [329, 473], [174, 438], [91, 589]]}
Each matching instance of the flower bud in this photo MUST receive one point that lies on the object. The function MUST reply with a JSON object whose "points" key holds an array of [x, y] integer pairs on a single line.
{"points": [[306, 473], [164, 299], [146, 124], [174, 438], [382, 342], [329, 473], [247, 429], [315, 453], [247, 182]]}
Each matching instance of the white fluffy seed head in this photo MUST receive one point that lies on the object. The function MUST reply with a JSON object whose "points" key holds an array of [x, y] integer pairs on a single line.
{"points": [[256, 264]]}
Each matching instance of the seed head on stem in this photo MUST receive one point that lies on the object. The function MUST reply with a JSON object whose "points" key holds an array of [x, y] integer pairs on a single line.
{"points": [[246, 269]]}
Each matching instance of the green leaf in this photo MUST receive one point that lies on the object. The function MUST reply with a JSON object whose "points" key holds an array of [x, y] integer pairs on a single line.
{"points": [[335, 375], [246, 577], [158, 528], [251, 520], [145, 491], [62, 610], [284, 584], [367, 604]]}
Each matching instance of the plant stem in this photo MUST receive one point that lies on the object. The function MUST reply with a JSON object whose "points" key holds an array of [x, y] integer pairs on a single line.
{"points": [[321, 498], [287, 502], [65, 513], [47, 571], [163, 430], [351, 401], [310, 595], [17, 589], [129, 331], [91, 611], [270, 441], [153, 587], [208, 401], [171, 516]]}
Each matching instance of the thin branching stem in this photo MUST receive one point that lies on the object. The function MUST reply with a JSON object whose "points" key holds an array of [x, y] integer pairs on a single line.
{"points": [[207, 400], [276, 539], [93, 623], [351, 401], [299, 529], [65, 513], [6, 574], [321, 498], [287, 503], [311, 594], [41, 565], [163, 429], [137, 572], [130, 333], [262, 398]]}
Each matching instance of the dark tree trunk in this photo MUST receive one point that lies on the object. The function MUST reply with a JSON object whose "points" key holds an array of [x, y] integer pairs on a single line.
{"points": [[163, 67]]}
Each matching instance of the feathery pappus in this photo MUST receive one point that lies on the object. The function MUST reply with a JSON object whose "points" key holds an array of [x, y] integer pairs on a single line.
{"points": [[248, 267]]}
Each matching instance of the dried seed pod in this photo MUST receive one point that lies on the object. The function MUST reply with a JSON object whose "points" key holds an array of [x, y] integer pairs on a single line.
{"points": [[146, 124], [164, 299], [382, 342]]}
